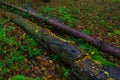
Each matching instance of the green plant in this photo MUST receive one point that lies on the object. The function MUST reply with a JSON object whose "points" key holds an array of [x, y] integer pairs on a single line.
{"points": [[22, 77], [51, 26], [76, 10], [109, 27], [24, 14], [28, 0], [97, 17], [117, 32], [102, 23], [62, 10], [102, 60], [47, 9], [34, 52], [65, 72], [66, 17], [119, 18], [54, 57], [110, 34], [16, 11], [22, 47], [5, 69], [11, 9], [11, 0], [17, 77], [115, 0], [18, 58], [31, 42], [94, 52], [3, 32], [12, 56], [86, 31], [11, 41], [33, 19], [4, 7], [31, 47]]}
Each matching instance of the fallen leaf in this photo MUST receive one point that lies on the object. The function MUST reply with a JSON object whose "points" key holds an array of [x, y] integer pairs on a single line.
{"points": [[92, 52], [43, 68], [36, 68], [50, 61], [36, 30], [48, 76]]}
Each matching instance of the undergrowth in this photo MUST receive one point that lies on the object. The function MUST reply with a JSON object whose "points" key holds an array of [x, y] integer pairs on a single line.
{"points": [[12, 51], [22, 77], [92, 51]]}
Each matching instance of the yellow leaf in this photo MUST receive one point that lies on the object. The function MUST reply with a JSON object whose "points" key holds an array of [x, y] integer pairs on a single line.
{"points": [[106, 73], [92, 53], [50, 61], [21, 36], [4, 35], [35, 49], [44, 78], [49, 76], [43, 68], [17, 47], [36, 68], [36, 30], [24, 35], [97, 62], [39, 57], [109, 79]]}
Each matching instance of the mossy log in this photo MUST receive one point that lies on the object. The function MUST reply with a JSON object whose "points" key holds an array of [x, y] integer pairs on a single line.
{"points": [[108, 48], [80, 63]]}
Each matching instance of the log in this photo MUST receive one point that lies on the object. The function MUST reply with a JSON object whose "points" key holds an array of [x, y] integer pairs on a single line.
{"points": [[80, 63], [108, 48]]}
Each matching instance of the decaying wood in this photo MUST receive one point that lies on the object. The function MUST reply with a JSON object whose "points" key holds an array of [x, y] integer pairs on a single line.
{"points": [[80, 63], [94, 41]]}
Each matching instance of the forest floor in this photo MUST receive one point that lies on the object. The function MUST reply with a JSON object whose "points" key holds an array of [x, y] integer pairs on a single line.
{"points": [[98, 18]]}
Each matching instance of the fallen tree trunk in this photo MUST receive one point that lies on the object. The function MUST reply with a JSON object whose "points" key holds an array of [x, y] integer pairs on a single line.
{"points": [[81, 65], [94, 41]]}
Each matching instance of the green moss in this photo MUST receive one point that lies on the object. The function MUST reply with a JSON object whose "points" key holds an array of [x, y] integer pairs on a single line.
{"points": [[17, 77], [96, 56], [22, 77], [86, 31], [47, 9], [102, 60], [66, 72], [117, 32]]}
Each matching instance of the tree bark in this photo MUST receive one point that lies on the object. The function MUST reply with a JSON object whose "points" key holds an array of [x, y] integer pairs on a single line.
{"points": [[108, 48], [80, 63]]}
